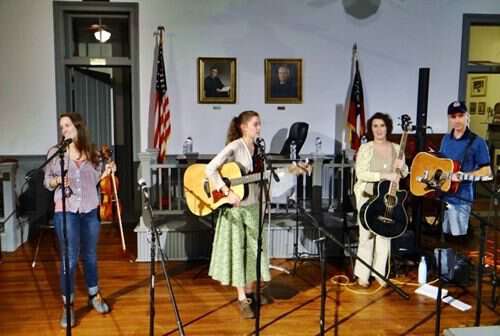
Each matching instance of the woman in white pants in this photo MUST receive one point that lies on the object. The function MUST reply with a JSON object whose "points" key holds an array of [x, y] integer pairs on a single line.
{"points": [[375, 161]]}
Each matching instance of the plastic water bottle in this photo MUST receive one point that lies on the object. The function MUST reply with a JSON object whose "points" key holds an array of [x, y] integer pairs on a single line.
{"points": [[187, 146], [318, 145], [293, 150], [422, 271]]}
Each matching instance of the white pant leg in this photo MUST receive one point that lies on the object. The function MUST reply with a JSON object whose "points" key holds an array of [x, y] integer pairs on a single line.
{"points": [[381, 255], [365, 252]]}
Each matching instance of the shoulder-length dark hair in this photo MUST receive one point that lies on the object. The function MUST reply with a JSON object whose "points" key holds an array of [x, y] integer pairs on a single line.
{"points": [[381, 116], [234, 132], [82, 142]]}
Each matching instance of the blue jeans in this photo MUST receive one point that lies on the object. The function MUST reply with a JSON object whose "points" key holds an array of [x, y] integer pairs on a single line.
{"points": [[83, 233], [456, 219]]}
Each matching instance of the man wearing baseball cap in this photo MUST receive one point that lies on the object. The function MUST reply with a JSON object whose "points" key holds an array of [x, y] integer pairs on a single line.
{"points": [[471, 151]]}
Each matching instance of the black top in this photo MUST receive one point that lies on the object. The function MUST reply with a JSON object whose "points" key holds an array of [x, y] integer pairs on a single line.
{"points": [[211, 86], [287, 89]]}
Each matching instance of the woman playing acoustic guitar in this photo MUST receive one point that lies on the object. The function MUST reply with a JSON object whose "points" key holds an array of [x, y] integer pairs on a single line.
{"points": [[375, 161], [234, 253]]}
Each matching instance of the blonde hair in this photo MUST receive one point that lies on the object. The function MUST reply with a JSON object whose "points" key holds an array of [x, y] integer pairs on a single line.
{"points": [[234, 131]]}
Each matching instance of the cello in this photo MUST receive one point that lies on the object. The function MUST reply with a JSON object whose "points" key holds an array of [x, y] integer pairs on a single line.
{"points": [[109, 195]]}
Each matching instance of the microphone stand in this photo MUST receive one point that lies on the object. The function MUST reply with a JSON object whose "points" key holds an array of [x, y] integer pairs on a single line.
{"points": [[155, 236], [321, 246], [61, 150], [480, 268], [262, 186], [67, 275]]}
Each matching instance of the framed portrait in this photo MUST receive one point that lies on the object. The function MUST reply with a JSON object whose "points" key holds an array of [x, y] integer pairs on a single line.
{"points": [[472, 107], [478, 86], [283, 80], [216, 80], [481, 108]]}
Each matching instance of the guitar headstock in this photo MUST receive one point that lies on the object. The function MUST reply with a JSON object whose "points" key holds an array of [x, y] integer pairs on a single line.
{"points": [[406, 123], [300, 167]]}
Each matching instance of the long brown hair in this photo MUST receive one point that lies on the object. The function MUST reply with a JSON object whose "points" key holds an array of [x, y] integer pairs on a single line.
{"points": [[234, 131], [82, 142]]}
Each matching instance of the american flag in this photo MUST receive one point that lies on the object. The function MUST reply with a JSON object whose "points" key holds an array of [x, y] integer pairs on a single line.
{"points": [[356, 110], [162, 109]]}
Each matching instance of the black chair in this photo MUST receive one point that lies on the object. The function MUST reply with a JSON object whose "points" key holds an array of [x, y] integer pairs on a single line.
{"points": [[298, 133]]}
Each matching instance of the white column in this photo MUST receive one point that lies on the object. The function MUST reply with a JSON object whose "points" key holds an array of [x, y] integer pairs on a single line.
{"points": [[147, 158], [13, 234]]}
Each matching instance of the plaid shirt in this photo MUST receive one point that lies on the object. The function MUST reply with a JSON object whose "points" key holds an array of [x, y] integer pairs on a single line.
{"points": [[82, 193]]}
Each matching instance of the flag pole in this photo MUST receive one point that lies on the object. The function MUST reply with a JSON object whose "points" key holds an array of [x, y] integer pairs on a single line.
{"points": [[161, 29], [348, 136]]}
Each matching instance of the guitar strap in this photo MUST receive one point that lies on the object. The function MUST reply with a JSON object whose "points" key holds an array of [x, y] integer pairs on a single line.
{"points": [[472, 137]]}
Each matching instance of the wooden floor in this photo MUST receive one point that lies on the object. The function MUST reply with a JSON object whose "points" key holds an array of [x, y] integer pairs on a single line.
{"points": [[30, 303]]}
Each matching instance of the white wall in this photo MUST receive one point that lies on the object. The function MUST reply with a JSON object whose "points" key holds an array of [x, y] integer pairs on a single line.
{"points": [[27, 77], [393, 44]]}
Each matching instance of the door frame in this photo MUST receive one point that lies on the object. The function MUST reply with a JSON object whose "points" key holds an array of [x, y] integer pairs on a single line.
{"points": [[465, 68], [63, 8]]}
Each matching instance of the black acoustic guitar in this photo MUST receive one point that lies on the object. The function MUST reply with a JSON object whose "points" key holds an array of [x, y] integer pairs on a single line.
{"points": [[384, 213]]}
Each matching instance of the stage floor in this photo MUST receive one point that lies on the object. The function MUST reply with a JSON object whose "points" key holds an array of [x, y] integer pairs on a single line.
{"points": [[30, 303]]}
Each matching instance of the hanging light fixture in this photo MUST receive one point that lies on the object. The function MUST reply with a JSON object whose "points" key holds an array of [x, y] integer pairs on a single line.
{"points": [[100, 33]]}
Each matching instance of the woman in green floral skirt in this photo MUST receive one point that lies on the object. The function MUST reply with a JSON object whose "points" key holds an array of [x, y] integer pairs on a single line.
{"points": [[234, 253]]}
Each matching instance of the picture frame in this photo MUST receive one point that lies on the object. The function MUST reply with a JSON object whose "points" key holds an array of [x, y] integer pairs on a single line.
{"points": [[283, 80], [472, 107], [478, 86], [217, 80], [481, 108]]}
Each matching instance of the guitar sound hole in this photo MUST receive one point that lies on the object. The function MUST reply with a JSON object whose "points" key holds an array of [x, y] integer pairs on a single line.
{"points": [[390, 201]]}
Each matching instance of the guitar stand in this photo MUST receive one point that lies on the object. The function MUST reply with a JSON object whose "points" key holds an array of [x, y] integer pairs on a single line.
{"points": [[298, 256]]}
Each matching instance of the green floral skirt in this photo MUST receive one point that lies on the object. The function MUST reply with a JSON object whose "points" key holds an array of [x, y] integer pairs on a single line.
{"points": [[234, 251]]}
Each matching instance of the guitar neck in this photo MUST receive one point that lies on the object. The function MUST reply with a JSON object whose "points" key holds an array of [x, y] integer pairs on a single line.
{"points": [[252, 178], [402, 146], [473, 178]]}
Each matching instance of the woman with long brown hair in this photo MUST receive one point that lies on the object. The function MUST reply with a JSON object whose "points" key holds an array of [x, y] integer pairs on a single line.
{"points": [[234, 253], [83, 173]]}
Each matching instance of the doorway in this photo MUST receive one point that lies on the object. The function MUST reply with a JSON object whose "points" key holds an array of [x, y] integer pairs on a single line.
{"points": [[97, 76], [480, 78]]}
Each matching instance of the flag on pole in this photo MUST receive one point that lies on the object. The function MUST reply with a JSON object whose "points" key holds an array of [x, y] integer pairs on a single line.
{"points": [[356, 107], [161, 103]]}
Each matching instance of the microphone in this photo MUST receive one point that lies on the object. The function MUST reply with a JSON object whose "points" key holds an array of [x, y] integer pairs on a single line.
{"points": [[66, 142]]}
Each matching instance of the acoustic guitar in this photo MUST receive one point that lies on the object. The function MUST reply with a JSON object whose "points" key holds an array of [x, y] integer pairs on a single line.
{"points": [[384, 213], [202, 199], [432, 172]]}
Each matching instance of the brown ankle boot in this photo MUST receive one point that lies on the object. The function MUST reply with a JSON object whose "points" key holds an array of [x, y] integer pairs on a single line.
{"points": [[246, 310]]}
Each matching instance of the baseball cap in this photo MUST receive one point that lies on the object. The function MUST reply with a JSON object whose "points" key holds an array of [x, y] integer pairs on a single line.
{"points": [[457, 107]]}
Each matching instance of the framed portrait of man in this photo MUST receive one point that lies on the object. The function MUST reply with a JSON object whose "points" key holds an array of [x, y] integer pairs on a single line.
{"points": [[283, 80], [216, 80]]}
